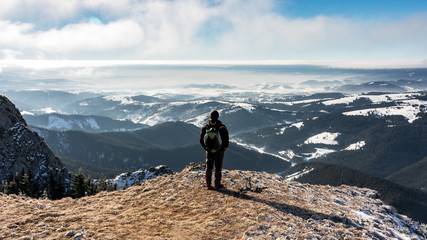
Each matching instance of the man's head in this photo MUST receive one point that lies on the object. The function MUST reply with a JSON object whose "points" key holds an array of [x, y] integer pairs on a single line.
{"points": [[214, 115]]}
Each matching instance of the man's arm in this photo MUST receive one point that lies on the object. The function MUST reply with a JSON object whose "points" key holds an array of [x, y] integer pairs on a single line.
{"points": [[202, 136], [224, 136]]}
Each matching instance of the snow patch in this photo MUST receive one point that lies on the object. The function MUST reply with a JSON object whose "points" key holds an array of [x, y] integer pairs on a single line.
{"points": [[296, 175], [27, 113], [323, 138], [302, 101], [344, 100], [298, 125], [92, 123], [409, 109], [355, 146], [55, 122], [124, 100], [283, 129], [248, 107], [288, 153], [320, 152], [258, 149], [47, 110], [198, 121]]}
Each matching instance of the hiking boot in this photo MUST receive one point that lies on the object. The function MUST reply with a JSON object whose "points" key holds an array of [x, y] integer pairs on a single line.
{"points": [[208, 186], [219, 185]]}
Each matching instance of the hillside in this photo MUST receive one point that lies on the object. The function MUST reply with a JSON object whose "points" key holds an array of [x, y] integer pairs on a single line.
{"points": [[174, 144], [61, 122], [409, 201], [23, 152], [254, 205], [379, 134]]}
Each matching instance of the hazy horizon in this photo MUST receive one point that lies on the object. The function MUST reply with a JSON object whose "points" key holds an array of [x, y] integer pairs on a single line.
{"points": [[143, 76]]}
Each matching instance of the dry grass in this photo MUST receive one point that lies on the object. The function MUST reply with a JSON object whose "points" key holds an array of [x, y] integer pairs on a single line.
{"points": [[178, 207]]}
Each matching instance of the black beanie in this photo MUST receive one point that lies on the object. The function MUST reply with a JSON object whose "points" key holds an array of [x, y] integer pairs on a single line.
{"points": [[214, 115]]}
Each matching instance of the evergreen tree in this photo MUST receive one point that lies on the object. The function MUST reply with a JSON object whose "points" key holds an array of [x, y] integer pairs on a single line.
{"points": [[102, 184], [28, 186], [112, 187], [25, 187], [90, 187], [55, 188], [10, 187], [78, 185]]}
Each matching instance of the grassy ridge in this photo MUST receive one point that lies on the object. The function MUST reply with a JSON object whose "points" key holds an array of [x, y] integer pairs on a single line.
{"points": [[409, 201]]}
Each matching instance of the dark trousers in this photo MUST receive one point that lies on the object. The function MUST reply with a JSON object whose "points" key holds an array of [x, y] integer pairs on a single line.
{"points": [[211, 160]]}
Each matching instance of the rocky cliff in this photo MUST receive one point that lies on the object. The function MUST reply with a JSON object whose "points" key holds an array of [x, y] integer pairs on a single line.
{"points": [[253, 205], [22, 150]]}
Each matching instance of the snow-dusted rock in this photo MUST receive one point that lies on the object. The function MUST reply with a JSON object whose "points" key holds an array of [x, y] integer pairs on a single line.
{"points": [[129, 179], [23, 149]]}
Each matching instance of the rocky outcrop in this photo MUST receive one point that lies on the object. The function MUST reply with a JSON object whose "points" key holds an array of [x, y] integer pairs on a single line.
{"points": [[22, 150], [129, 179]]}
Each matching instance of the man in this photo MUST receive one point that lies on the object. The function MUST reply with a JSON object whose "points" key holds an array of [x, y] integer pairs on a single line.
{"points": [[214, 139]]}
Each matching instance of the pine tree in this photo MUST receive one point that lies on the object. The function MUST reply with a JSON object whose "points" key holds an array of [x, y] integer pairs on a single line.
{"points": [[25, 184], [10, 187], [102, 184], [78, 185], [55, 188], [90, 187]]}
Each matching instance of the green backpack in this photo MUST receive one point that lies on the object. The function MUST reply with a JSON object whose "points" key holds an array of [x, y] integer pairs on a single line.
{"points": [[212, 139]]}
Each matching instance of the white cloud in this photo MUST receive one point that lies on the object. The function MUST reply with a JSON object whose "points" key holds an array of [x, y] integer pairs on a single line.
{"points": [[39, 10], [10, 54], [73, 37], [86, 72], [87, 36], [199, 29]]}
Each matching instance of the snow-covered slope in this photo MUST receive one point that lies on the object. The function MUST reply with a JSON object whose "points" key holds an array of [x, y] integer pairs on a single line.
{"points": [[61, 122]]}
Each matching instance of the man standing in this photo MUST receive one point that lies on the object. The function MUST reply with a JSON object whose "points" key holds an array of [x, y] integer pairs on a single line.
{"points": [[214, 139]]}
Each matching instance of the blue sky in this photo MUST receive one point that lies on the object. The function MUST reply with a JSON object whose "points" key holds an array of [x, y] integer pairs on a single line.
{"points": [[248, 30], [391, 9]]}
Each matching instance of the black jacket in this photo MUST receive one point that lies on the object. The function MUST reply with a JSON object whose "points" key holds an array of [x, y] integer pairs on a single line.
{"points": [[222, 131]]}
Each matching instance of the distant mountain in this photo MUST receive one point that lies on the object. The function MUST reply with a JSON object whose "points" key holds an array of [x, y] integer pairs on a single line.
{"points": [[326, 85], [23, 152], [61, 122], [210, 86], [321, 83], [380, 86], [42, 101], [195, 111], [413, 85], [174, 144], [365, 132], [409, 201]]}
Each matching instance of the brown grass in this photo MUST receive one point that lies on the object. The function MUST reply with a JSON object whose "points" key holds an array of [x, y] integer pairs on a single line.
{"points": [[178, 207]]}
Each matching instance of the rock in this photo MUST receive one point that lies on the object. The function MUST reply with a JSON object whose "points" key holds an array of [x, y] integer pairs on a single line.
{"points": [[129, 179], [69, 233], [80, 235], [24, 150]]}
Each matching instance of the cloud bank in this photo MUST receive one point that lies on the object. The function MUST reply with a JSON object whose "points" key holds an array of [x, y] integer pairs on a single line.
{"points": [[198, 29]]}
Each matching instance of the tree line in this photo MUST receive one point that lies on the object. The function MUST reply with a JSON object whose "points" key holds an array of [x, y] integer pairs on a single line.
{"points": [[22, 183]]}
